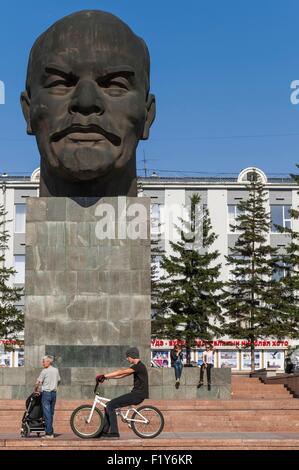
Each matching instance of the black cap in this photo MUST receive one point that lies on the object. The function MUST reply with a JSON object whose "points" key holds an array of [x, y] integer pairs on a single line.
{"points": [[133, 353]]}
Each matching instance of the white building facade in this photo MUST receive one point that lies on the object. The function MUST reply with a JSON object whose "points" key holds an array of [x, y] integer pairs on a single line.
{"points": [[221, 196]]}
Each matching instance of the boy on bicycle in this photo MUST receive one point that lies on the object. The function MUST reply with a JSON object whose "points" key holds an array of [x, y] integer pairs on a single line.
{"points": [[139, 392]]}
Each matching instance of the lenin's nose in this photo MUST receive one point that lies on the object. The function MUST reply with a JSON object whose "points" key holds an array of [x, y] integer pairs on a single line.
{"points": [[86, 99]]}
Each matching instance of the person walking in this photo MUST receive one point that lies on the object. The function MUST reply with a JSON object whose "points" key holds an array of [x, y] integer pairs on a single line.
{"points": [[176, 356], [139, 393], [47, 383], [208, 364]]}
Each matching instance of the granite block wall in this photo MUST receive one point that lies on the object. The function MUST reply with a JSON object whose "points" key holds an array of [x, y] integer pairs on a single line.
{"points": [[87, 285], [78, 383]]}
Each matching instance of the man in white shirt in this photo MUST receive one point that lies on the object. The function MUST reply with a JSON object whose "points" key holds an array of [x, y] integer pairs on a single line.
{"points": [[48, 381]]}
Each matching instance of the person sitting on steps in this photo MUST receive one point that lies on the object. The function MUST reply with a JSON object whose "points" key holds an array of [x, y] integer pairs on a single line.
{"points": [[176, 357], [208, 364]]}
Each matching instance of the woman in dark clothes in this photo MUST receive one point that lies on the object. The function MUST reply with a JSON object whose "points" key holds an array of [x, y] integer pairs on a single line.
{"points": [[176, 356]]}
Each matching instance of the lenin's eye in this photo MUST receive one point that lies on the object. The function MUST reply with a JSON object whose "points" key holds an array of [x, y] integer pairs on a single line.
{"points": [[60, 83], [116, 86], [57, 83]]}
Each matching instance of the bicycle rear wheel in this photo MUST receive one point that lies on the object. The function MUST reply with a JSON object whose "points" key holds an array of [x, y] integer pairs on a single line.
{"points": [[154, 425], [79, 423]]}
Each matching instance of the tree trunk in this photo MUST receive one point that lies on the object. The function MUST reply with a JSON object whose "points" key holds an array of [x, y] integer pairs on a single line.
{"points": [[188, 353], [252, 355]]}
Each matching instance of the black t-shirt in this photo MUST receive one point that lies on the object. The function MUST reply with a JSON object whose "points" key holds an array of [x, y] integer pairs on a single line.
{"points": [[140, 380]]}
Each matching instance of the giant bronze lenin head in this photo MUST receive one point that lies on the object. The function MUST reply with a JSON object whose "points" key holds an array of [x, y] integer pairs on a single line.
{"points": [[87, 101]]}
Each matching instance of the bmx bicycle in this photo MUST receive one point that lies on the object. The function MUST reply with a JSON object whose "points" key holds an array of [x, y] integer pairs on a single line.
{"points": [[87, 421]]}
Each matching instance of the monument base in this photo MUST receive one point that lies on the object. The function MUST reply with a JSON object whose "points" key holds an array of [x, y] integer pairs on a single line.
{"points": [[80, 384], [88, 285]]}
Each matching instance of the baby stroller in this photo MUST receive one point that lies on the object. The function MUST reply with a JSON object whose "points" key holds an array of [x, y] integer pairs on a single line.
{"points": [[33, 420]]}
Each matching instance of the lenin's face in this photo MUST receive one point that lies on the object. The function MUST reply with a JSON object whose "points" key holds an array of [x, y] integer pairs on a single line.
{"points": [[87, 99]]}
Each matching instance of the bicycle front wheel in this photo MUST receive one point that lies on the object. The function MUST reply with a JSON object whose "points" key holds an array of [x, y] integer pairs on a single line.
{"points": [[154, 422], [81, 427]]}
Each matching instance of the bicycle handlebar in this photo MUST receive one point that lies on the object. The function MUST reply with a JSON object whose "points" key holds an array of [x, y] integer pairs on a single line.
{"points": [[96, 387]]}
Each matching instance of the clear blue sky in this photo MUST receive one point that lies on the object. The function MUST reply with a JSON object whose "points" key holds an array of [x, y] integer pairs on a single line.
{"points": [[221, 71]]}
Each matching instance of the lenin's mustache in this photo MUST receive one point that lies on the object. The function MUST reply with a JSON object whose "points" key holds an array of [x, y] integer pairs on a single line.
{"points": [[85, 129]]}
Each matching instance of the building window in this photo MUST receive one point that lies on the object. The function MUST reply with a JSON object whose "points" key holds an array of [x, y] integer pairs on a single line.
{"points": [[20, 218], [155, 218], [233, 213], [19, 265], [281, 271], [228, 359], [246, 360], [280, 215], [274, 360]]}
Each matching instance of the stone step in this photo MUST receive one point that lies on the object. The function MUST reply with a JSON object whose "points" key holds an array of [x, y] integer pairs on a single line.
{"points": [[261, 395], [167, 441], [176, 405]]}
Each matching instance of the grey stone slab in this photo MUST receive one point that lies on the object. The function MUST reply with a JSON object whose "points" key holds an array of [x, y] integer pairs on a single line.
{"points": [[33, 353], [140, 330], [190, 393], [56, 209], [77, 307], [88, 356], [171, 393], [84, 375], [125, 331], [87, 307], [88, 282], [204, 394], [36, 209], [6, 392], [21, 392], [31, 234], [119, 307], [42, 234], [12, 376], [225, 392], [168, 375], [191, 375], [139, 258], [64, 282], [73, 392], [156, 393], [140, 307], [82, 258], [83, 234], [76, 213], [39, 283], [46, 258], [32, 375], [221, 376], [156, 377]]}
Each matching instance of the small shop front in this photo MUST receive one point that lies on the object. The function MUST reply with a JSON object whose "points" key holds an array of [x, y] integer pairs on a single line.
{"points": [[233, 354], [11, 353]]}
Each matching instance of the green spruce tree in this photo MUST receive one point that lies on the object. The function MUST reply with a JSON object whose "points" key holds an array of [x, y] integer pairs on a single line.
{"points": [[190, 291], [289, 277], [253, 292], [11, 318]]}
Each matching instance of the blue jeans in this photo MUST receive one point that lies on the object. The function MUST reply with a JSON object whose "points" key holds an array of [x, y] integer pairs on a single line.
{"points": [[48, 404], [178, 368]]}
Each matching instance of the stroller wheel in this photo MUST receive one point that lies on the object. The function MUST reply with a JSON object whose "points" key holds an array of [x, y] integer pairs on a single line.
{"points": [[25, 430]]}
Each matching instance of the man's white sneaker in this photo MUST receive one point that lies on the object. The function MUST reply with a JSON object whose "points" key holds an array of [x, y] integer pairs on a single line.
{"points": [[48, 436]]}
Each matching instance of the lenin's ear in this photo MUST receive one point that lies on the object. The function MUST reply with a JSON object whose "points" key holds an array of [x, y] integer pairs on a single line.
{"points": [[25, 103], [150, 115]]}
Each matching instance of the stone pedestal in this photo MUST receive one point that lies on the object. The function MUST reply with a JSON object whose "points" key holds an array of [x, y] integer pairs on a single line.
{"points": [[87, 296]]}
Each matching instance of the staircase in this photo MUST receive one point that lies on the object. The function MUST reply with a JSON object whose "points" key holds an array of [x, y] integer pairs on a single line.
{"points": [[254, 408]]}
